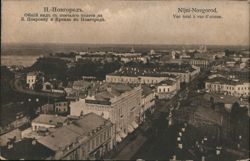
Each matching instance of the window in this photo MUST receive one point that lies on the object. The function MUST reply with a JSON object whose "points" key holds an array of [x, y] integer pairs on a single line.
{"points": [[108, 133], [93, 144], [104, 135], [97, 140], [88, 146], [101, 138]]}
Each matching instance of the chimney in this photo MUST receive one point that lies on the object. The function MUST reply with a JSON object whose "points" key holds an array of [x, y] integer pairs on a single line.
{"points": [[109, 89], [9, 145], [34, 142], [174, 157]]}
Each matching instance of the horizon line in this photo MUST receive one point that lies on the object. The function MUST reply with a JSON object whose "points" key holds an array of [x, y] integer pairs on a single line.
{"points": [[132, 44]]}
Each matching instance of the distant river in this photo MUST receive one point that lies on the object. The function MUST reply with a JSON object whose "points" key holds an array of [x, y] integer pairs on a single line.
{"points": [[24, 60]]}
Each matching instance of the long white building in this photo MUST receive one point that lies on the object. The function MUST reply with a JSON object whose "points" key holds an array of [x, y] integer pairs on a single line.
{"points": [[234, 87], [135, 75]]}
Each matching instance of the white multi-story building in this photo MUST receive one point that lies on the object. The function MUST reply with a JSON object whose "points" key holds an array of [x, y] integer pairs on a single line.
{"points": [[147, 101], [138, 76], [87, 138], [32, 78], [186, 72], [234, 87], [167, 89], [119, 103]]}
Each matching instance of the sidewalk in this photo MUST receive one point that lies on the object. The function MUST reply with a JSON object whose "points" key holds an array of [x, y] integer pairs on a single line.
{"points": [[131, 148]]}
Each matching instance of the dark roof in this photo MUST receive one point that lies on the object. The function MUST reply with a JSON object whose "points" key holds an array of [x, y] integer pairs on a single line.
{"points": [[167, 82], [11, 111], [225, 80], [26, 150], [64, 136], [175, 67], [146, 90], [142, 72]]}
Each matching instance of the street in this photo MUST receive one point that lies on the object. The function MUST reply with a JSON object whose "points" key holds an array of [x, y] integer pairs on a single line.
{"points": [[159, 140]]}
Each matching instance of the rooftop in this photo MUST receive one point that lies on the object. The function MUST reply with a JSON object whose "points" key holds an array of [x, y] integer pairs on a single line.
{"points": [[140, 72], [226, 80], [146, 90], [81, 83], [179, 68], [109, 90], [77, 130], [50, 119], [167, 82], [26, 150], [227, 99], [34, 73]]}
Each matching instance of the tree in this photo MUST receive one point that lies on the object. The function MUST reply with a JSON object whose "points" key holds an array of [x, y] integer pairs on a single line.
{"points": [[237, 115], [212, 102]]}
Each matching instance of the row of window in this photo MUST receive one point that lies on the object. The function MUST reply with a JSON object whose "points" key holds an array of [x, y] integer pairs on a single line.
{"points": [[31, 80], [59, 110], [134, 80], [61, 104], [98, 140], [164, 90], [229, 87]]}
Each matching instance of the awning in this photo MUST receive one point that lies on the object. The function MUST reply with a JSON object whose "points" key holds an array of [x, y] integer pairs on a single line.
{"points": [[134, 124], [118, 138], [122, 134], [130, 128]]}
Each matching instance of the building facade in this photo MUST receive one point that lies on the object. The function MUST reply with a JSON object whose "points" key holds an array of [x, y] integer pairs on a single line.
{"points": [[186, 72], [234, 87], [87, 138], [122, 108], [167, 89], [32, 78], [138, 76]]}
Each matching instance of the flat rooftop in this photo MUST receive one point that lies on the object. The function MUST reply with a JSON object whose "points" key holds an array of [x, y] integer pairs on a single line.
{"points": [[140, 72], [103, 93], [49, 119], [62, 137], [226, 80], [26, 150]]}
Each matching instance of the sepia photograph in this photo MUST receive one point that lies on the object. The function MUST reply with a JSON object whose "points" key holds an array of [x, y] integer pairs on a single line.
{"points": [[142, 80]]}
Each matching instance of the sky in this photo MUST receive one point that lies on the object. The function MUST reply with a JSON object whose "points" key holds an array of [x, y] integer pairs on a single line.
{"points": [[128, 22]]}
